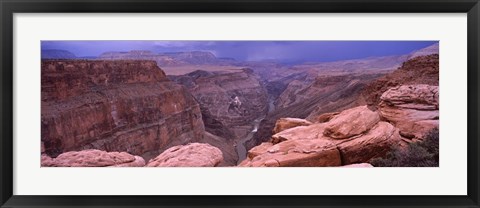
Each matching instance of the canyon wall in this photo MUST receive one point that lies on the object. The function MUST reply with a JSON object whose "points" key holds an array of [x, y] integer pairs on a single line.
{"points": [[230, 101], [125, 106]]}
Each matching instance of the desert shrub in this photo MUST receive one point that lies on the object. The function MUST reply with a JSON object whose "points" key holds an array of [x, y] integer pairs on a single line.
{"points": [[419, 154]]}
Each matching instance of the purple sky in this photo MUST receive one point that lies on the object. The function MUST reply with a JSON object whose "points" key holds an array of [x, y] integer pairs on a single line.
{"points": [[284, 51]]}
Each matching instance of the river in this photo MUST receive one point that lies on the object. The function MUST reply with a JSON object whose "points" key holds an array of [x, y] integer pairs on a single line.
{"points": [[241, 150]]}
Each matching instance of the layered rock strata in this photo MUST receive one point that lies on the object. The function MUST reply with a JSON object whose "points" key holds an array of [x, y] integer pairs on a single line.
{"points": [[125, 106]]}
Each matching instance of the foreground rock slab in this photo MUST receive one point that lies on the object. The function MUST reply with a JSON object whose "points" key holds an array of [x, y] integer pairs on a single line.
{"points": [[351, 122], [190, 155], [93, 158], [345, 139]]}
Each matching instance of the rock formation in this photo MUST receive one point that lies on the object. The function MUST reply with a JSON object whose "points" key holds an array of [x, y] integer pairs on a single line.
{"points": [[288, 123], [418, 70], [325, 94], [414, 109], [93, 158], [125, 106], [405, 114], [190, 155], [228, 100], [332, 143]]}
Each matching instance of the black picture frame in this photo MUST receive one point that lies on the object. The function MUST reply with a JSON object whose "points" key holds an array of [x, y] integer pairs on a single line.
{"points": [[9, 7]]}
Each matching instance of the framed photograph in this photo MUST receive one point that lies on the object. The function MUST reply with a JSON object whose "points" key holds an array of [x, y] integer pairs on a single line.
{"points": [[265, 103]]}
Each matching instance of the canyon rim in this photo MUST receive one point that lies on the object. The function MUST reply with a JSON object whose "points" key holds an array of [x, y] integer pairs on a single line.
{"points": [[349, 104]]}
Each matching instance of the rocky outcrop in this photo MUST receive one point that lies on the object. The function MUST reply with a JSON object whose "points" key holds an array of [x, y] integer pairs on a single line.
{"points": [[418, 70], [414, 109], [93, 158], [332, 143], [115, 106], [288, 123], [190, 155]]}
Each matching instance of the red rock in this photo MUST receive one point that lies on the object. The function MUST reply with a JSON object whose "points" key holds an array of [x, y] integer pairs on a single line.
{"points": [[307, 145], [94, 158], [258, 150], [190, 155], [287, 123], [419, 70], [351, 122], [414, 109], [124, 106], [324, 117], [375, 143], [46, 161], [297, 153]]}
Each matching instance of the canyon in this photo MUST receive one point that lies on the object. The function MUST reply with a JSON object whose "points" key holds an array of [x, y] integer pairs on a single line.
{"points": [[193, 109]]}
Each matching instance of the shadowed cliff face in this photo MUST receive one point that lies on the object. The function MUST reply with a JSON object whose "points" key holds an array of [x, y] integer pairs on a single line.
{"points": [[126, 106]]}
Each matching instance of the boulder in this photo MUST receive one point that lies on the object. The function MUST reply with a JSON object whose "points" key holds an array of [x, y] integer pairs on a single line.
{"points": [[414, 109], [287, 123], [351, 122], [375, 143], [93, 158], [190, 155]]}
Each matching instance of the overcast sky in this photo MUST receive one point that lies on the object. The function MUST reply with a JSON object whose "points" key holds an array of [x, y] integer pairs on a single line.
{"points": [[284, 51]]}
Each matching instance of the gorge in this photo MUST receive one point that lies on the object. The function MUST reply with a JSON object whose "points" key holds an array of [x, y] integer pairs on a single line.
{"points": [[140, 108]]}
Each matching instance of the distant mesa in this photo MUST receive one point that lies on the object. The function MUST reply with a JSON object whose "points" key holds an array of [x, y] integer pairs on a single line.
{"points": [[169, 59], [57, 54], [433, 49]]}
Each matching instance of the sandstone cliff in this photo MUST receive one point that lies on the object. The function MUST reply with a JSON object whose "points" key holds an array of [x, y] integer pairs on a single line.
{"points": [[125, 106]]}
